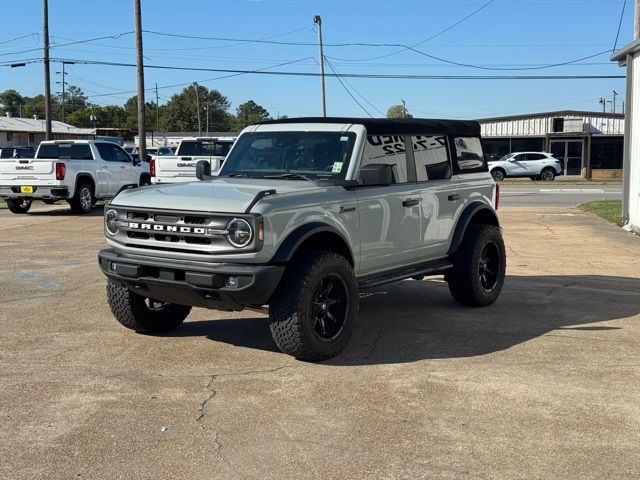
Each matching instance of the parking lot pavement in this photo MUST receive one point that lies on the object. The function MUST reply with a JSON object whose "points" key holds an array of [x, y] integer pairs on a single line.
{"points": [[544, 384]]}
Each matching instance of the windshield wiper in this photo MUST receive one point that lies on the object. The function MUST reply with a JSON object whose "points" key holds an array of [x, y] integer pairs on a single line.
{"points": [[290, 175]]}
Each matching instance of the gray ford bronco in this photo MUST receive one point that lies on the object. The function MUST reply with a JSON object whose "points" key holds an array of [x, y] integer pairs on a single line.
{"points": [[305, 214]]}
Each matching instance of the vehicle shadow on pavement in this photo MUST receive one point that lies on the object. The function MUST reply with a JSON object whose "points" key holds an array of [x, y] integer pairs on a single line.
{"points": [[418, 320], [65, 211]]}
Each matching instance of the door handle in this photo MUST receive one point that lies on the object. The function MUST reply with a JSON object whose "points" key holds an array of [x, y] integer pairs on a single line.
{"points": [[411, 202], [454, 197]]}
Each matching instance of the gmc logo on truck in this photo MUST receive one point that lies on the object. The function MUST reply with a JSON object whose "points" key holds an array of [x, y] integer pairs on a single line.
{"points": [[186, 164], [167, 228], [24, 167]]}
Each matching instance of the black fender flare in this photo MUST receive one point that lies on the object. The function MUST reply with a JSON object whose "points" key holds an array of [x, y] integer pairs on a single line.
{"points": [[288, 247], [465, 219], [80, 177]]}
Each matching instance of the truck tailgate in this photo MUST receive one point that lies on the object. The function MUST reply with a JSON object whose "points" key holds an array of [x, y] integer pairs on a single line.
{"points": [[182, 167], [36, 170]]}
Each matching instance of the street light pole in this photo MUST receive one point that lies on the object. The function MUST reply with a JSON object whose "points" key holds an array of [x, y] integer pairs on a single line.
{"points": [[318, 21], [195, 84], [47, 73], [142, 124]]}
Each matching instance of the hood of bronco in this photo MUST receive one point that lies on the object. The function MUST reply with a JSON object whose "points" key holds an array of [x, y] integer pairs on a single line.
{"points": [[224, 195]]}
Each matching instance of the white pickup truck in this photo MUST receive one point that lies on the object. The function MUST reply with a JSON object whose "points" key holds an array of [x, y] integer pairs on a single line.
{"points": [[78, 171], [181, 167]]}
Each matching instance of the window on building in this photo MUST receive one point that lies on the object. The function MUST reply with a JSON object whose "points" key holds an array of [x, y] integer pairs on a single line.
{"points": [[9, 136], [607, 152], [32, 138], [432, 158], [495, 149], [388, 149], [535, 144], [558, 125], [469, 156]]}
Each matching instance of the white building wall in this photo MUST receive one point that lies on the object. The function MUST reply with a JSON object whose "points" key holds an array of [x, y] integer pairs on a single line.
{"points": [[634, 158], [543, 125]]}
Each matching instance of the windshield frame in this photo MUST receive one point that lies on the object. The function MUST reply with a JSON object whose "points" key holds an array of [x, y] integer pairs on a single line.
{"points": [[246, 140]]}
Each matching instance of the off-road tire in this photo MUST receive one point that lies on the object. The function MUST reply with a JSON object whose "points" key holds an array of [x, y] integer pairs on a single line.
{"points": [[145, 180], [18, 205], [79, 203], [465, 281], [132, 311], [499, 173], [548, 175], [291, 308]]}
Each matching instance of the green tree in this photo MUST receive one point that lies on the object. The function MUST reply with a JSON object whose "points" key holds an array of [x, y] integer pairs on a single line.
{"points": [[11, 102], [180, 113], [249, 113], [398, 111]]}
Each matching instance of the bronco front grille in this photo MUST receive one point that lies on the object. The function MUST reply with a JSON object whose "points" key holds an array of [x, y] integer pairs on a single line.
{"points": [[185, 232]]}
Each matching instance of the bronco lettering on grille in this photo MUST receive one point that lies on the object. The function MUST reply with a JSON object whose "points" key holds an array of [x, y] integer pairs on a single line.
{"points": [[167, 228]]}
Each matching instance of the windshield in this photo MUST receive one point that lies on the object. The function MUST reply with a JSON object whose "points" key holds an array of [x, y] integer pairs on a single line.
{"points": [[506, 157], [314, 155], [210, 148]]}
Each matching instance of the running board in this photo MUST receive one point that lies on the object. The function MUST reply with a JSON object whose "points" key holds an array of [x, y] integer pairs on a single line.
{"points": [[431, 268]]}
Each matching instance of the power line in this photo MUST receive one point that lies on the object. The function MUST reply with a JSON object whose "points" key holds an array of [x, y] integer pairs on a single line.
{"points": [[77, 42], [354, 89], [347, 90], [615, 44], [34, 34]]}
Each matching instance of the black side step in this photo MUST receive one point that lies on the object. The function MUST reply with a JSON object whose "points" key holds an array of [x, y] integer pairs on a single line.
{"points": [[436, 267]]}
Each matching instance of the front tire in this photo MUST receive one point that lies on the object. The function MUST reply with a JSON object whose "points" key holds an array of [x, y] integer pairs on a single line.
{"points": [[498, 174], [479, 267], [314, 309], [144, 315], [82, 201], [19, 205]]}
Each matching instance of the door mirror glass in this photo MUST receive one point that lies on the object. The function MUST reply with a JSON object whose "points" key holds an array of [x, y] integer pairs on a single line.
{"points": [[376, 174], [203, 170]]}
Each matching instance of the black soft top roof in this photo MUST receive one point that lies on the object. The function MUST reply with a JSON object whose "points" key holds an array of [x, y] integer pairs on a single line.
{"points": [[396, 126]]}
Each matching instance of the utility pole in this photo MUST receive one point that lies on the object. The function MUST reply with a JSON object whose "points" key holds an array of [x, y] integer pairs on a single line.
{"points": [[636, 21], [318, 21], [142, 124], [615, 95], [47, 76], [603, 102], [64, 83], [157, 110], [195, 85], [206, 107], [404, 108]]}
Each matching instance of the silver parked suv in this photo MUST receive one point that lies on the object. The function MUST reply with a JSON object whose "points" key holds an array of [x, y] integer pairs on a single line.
{"points": [[304, 215]]}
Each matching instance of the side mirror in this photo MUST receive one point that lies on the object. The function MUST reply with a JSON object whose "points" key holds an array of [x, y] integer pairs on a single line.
{"points": [[203, 170], [136, 160], [378, 174], [147, 158]]}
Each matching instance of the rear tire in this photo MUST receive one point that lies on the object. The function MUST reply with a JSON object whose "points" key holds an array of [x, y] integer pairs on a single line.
{"points": [[548, 175], [82, 201], [144, 181], [314, 309], [479, 267], [142, 314], [19, 205]]}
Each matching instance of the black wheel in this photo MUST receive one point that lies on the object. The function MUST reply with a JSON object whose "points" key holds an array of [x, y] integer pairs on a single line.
{"points": [[479, 267], [498, 174], [18, 205], [314, 309], [48, 201], [145, 181], [82, 201], [144, 315], [548, 175]]}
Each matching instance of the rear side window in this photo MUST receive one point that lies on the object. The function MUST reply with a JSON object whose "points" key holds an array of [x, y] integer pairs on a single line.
{"points": [[105, 152], [74, 151], [389, 149], [432, 158], [6, 152], [205, 148], [535, 156], [469, 157]]}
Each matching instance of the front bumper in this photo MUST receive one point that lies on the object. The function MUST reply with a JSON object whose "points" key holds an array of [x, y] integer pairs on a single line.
{"points": [[193, 283], [52, 192]]}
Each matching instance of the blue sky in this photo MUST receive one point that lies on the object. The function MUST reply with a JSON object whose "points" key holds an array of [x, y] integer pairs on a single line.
{"points": [[505, 34]]}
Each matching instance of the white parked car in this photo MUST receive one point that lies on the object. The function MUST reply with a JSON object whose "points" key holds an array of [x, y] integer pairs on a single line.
{"points": [[535, 165], [78, 171]]}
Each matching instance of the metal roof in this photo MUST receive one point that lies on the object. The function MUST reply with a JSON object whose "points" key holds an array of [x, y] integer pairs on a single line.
{"points": [[557, 113], [397, 126], [621, 55], [31, 125]]}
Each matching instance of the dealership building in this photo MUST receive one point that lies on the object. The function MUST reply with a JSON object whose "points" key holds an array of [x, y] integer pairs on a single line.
{"points": [[16, 131], [588, 144]]}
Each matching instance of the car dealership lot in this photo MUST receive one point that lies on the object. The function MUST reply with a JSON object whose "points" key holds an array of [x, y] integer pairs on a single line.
{"points": [[542, 384]]}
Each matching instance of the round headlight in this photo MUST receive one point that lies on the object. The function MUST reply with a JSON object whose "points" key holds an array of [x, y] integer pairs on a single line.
{"points": [[240, 232], [111, 222]]}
